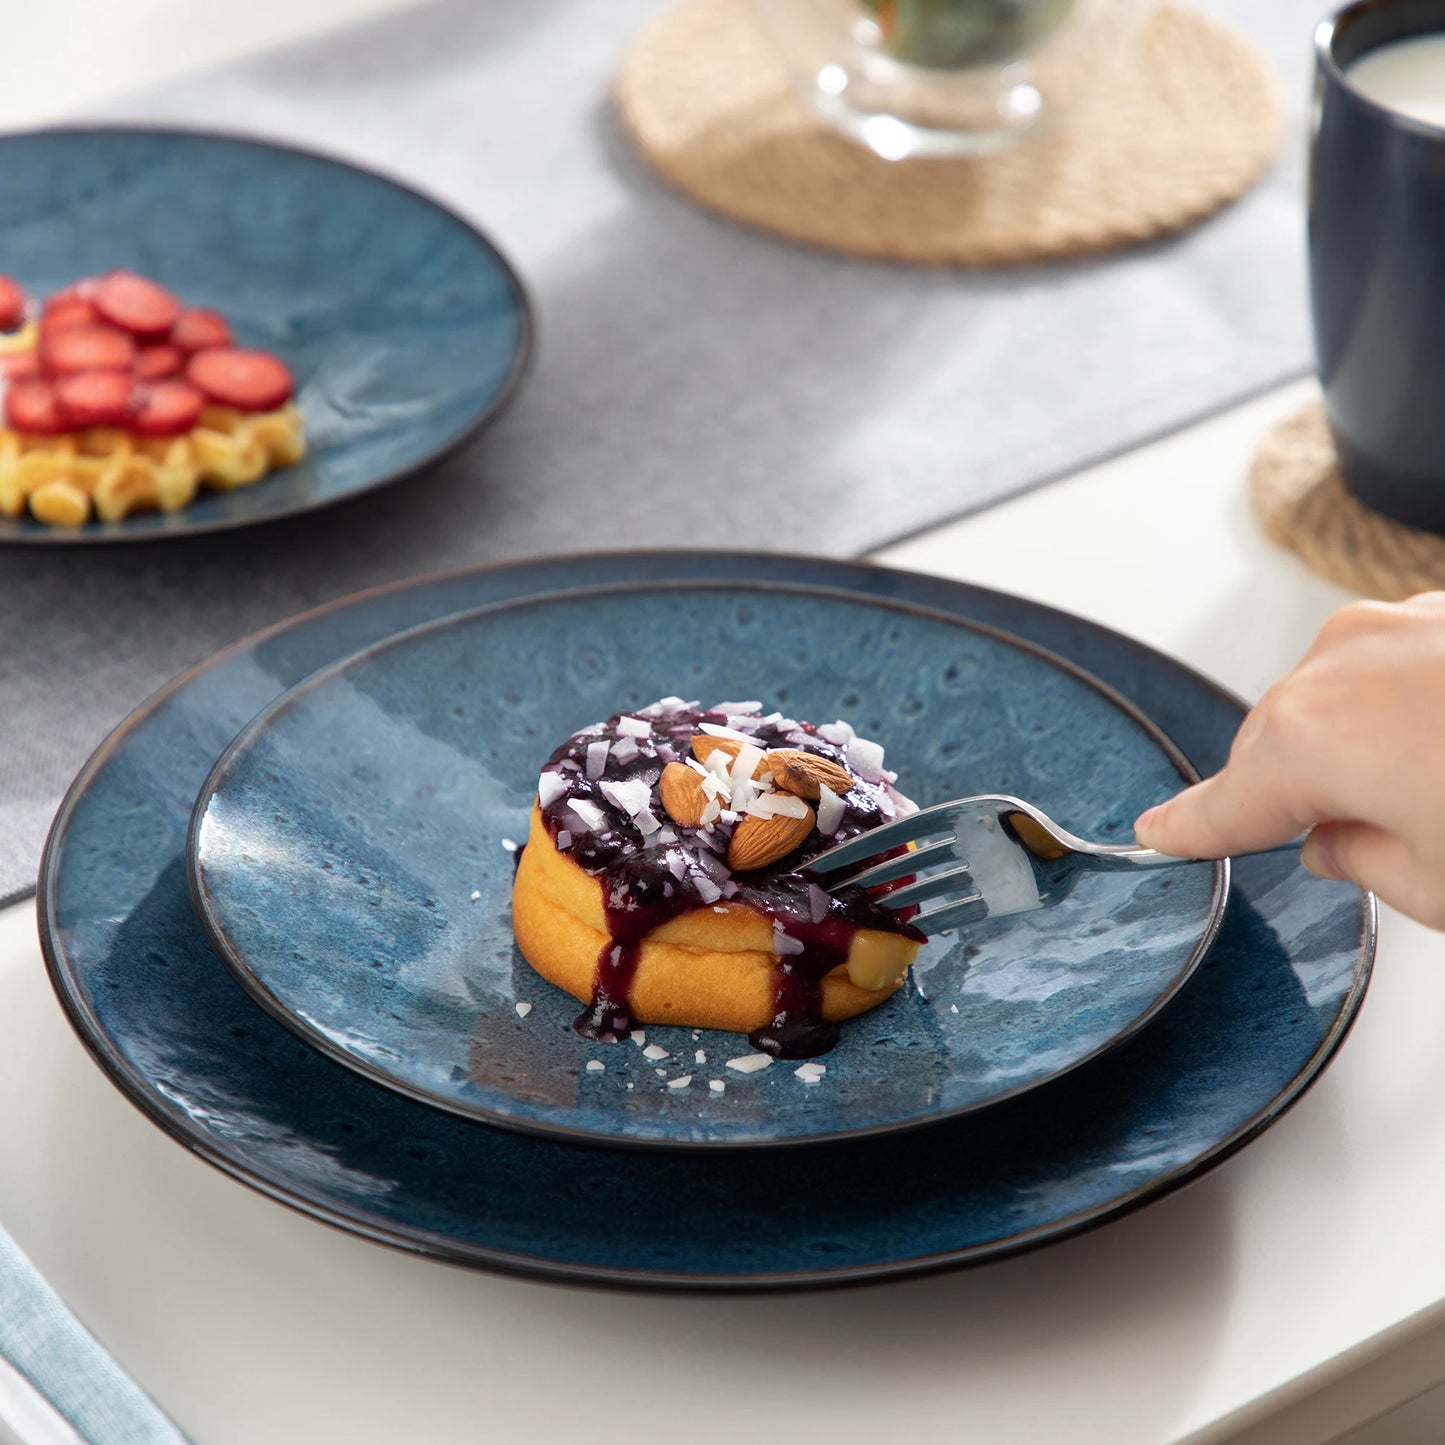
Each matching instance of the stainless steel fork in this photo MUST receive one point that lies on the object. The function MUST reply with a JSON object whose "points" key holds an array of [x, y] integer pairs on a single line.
{"points": [[1004, 856]]}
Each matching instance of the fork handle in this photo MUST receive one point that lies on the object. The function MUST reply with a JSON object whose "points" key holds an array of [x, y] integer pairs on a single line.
{"points": [[1111, 857]]}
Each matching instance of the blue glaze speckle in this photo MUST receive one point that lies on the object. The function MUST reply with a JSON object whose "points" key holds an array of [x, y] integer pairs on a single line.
{"points": [[404, 327], [339, 843], [176, 1032]]}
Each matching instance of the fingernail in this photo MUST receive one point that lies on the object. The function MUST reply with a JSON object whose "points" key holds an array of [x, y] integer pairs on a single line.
{"points": [[1316, 856], [1144, 820]]}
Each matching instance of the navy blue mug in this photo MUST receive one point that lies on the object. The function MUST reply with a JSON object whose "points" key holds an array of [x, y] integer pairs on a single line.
{"points": [[1377, 270]]}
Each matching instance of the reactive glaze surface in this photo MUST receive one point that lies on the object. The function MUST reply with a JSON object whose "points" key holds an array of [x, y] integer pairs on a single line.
{"points": [[180, 1037], [340, 843], [404, 327]]}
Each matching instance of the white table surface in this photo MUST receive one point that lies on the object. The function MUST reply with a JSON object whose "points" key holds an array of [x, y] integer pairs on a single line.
{"points": [[1290, 1295]]}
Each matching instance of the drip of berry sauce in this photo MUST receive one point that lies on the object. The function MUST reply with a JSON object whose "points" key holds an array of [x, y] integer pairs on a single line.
{"points": [[649, 878]]}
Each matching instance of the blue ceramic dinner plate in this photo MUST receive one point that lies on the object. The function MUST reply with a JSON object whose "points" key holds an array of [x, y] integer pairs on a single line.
{"points": [[175, 1031], [405, 328], [349, 858]]}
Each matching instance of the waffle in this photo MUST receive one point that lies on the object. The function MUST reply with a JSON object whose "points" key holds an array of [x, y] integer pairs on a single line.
{"points": [[111, 473]]}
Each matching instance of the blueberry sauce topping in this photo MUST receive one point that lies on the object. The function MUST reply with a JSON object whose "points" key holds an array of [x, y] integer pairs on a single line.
{"points": [[651, 869]]}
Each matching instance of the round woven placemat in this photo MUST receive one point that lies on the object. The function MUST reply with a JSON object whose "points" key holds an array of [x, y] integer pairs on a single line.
{"points": [[1185, 121], [1302, 504]]}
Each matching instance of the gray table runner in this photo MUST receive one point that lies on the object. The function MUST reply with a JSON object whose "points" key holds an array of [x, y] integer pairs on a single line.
{"points": [[680, 359]]}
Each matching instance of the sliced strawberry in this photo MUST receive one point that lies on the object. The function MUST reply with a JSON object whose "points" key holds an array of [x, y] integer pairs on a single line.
{"points": [[31, 406], [67, 308], [154, 362], [95, 398], [85, 348], [12, 304], [196, 328], [134, 303], [248, 380], [17, 364], [166, 408]]}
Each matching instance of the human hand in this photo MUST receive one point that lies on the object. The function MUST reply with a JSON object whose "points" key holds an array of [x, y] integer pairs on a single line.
{"points": [[1349, 745]]}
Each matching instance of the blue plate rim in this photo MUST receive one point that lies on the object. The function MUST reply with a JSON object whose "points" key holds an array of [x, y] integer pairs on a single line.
{"points": [[429, 1244], [224, 947], [447, 447]]}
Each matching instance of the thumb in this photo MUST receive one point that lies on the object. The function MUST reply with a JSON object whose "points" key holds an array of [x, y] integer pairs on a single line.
{"points": [[1225, 814]]}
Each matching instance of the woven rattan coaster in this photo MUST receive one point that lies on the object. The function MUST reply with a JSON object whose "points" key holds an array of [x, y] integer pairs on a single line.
{"points": [[1183, 124], [1303, 504]]}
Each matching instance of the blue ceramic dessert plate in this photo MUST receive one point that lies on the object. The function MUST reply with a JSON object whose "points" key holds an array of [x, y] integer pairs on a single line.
{"points": [[178, 1035], [404, 327], [350, 860]]}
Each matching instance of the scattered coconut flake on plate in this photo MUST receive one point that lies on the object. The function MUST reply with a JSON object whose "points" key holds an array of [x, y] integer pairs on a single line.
{"points": [[476, 894], [953, 1008], [810, 1073], [680, 1083], [750, 1063], [550, 787], [523, 1009], [655, 1051], [639, 1037], [595, 1066], [661, 1073], [700, 1057], [716, 1085], [629, 1084], [510, 844], [637, 727]]}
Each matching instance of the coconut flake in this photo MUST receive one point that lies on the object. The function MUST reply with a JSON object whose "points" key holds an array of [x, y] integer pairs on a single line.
{"points": [[953, 1008], [666, 836], [661, 1073], [866, 759], [676, 864], [592, 817], [597, 759], [810, 1073], [510, 844], [639, 1037], [564, 840], [523, 1009], [779, 805], [550, 787], [818, 902], [839, 733], [717, 730], [630, 797], [595, 1066], [647, 823], [637, 727], [737, 708], [750, 1063], [783, 944], [707, 890], [831, 809], [716, 1085], [655, 1051], [666, 706], [476, 894], [700, 1057], [625, 749], [680, 1083]]}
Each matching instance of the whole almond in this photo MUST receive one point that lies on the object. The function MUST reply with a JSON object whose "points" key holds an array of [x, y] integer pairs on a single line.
{"points": [[682, 794], [757, 841], [804, 774]]}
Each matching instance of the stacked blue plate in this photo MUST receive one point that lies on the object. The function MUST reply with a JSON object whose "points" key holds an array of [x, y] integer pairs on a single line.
{"points": [[339, 1016]]}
